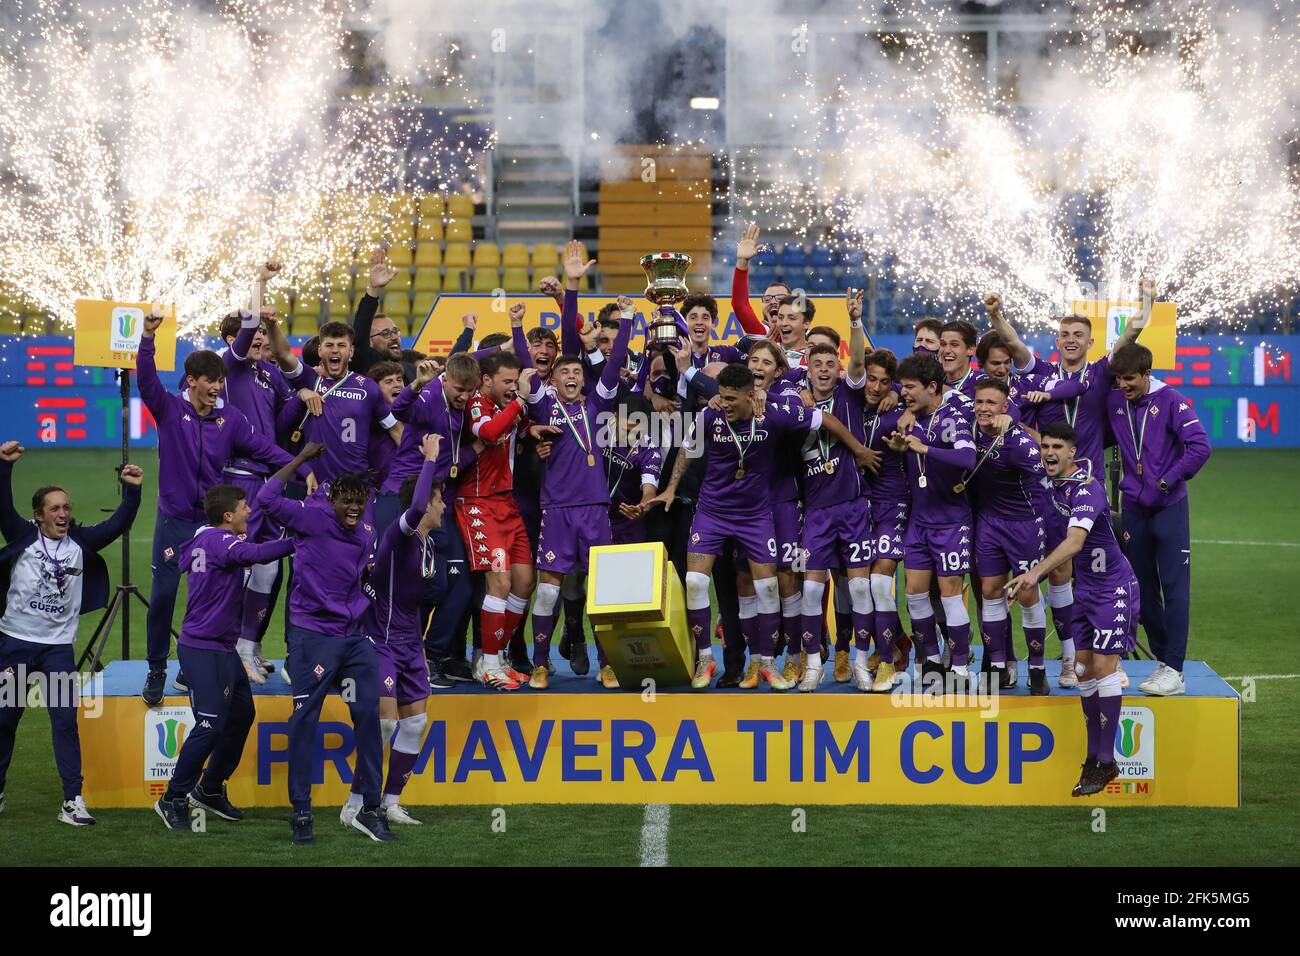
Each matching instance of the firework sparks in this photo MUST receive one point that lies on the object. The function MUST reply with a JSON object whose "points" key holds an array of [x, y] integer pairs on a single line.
{"points": [[155, 152]]}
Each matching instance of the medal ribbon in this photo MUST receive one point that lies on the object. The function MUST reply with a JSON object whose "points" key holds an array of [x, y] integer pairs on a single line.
{"points": [[824, 444], [740, 452], [1138, 435], [586, 427], [59, 576], [455, 434], [997, 442], [325, 394]]}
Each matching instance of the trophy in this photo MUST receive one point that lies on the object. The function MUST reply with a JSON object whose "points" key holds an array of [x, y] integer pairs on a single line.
{"points": [[666, 275]]}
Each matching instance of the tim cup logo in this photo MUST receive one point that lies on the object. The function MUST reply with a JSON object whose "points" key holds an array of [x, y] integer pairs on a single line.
{"points": [[125, 328]]}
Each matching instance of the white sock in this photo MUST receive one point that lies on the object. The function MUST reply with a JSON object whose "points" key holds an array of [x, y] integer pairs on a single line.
{"points": [[390, 800], [354, 800], [516, 604], [706, 652], [492, 662], [860, 657]]}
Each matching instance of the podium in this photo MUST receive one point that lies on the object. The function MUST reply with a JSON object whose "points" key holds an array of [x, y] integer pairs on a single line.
{"points": [[638, 612]]}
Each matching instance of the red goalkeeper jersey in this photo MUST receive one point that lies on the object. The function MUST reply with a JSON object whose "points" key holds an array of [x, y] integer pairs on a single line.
{"points": [[493, 472]]}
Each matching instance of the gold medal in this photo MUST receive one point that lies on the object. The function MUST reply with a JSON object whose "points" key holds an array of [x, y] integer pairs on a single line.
{"points": [[959, 487], [295, 437], [740, 473], [1139, 469], [830, 466], [591, 460], [454, 471]]}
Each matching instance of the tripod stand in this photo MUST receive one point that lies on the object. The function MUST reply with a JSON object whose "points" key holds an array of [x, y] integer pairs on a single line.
{"points": [[123, 594]]}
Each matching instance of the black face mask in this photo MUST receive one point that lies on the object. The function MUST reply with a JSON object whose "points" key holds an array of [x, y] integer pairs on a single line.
{"points": [[922, 350]]}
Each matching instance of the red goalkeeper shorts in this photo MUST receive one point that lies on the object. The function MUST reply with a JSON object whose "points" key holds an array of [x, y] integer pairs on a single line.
{"points": [[495, 537]]}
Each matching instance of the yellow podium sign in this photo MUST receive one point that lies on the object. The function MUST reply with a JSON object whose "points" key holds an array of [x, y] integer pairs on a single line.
{"points": [[107, 334], [638, 613], [1108, 319]]}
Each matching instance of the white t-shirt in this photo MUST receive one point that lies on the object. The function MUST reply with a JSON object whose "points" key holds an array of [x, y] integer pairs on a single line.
{"points": [[44, 603]]}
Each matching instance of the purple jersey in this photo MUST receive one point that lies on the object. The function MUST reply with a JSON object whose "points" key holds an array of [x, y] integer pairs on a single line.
{"points": [[742, 455], [946, 432], [329, 562], [1081, 500], [627, 468], [1086, 413], [1008, 474], [1159, 438], [426, 413], [258, 389], [1042, 378], [353, 404], [404, 559], [968, 383], [788, 467], [890, 483], [193, 449], [215, 560], [831, 474]]}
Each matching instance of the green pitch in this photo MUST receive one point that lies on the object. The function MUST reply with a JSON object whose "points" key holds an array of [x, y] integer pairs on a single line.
{"points": [[1244, 623]]}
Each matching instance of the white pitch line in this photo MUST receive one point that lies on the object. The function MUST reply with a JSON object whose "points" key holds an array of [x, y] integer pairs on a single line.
{"points": [[654, 835], [1265, 677], [1251, 544]]}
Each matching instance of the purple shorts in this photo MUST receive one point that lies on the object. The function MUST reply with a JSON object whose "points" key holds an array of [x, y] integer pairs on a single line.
{"points": [[1108, 617], [567, 534], [888, 526], [261, 526], [944, 548], [838, 536], [403, 672], [1005, 546], [788, 525], [624, 531], [531, 516], [755, 536]]}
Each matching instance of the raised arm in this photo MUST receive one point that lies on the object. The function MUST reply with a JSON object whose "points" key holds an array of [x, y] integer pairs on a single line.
{"points": [[100, 535], [12, 524], [517, 336], [154, 393], [1134, 326], [1019, 352], [857, 369], [746, 249], [380, 273], [574, 270], [290, 513], [466, 338], [610, 376], [246, 553], [424, 484]]}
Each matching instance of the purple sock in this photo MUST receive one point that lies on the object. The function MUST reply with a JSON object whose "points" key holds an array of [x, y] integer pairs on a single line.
{"points": [[862, 633], [924, 629], [888, 626], [1108, 724], [256, 605], [767, 634], [400, 766], [1063, 621], [959, 634], [543, 627], [812, 633], [791, 641], [845, 625], [995, 640], [749, 630], [1091, 716], [1036, 639], [700, 624]]}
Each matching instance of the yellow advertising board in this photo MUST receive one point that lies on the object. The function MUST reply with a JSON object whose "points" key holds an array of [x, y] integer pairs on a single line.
{"points": [[107, 334], [708, 748], [1108, 319]]}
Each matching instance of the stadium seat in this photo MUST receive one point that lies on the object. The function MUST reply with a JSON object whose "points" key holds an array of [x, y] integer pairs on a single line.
{"points": [[403, 206], [453, 279], [793, 256], [421, 306], [304, 325], [427, 280], [459, 230], [432, 206], [514, 255], [515, 280], [429, 230], [760, 279], [487, 254], [339, 280], [823, 280], [821, 257], [402, 230], [397, 305], [456, 254], [400, 256], [308, 304], [885, 308], [428, 254], [400, 282], [545, 256], [339, 305], [485, 280], [460, 206], [278, 301]]}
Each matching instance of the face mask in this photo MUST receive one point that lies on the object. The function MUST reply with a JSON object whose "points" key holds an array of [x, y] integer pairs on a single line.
{"points": [[921, 350]]}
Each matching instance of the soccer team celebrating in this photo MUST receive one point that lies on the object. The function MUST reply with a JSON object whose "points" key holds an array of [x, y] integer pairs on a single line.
{"points": [[421, 500]]}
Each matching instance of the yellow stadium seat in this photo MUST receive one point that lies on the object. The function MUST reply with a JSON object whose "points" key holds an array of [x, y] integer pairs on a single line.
{"points": [[514, 255], [546, 256], [431, 206], [456, 254], [428, 254], [427, 280], [453, 279], [400, 282], [400, 256], [429, 230], [422, 305], [303, 325], [308, 304], [402, 230], [459, 230], [485, 280], [339, 280], [515, 280], [460, 205], [339, 306], [278, 301], [403, 206], [487, 254], [397, 305]]}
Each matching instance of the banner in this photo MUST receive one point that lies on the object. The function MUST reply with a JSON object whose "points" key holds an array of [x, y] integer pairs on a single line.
{"points": [[107, 334]]}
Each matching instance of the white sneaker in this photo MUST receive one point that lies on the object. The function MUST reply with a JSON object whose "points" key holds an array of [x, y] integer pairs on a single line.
{"points": [[862, 678], [812, 676], [348, 814], [1123, 676], [1013, 671], [74, 812], [1069, 677], [2, 803], [476, 665], [1165, 682], [946, 655], [255, 674], [396, 813]]}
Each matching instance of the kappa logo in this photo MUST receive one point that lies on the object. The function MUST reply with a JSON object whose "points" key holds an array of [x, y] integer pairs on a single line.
{"points": [[482, 548], [474, 510], [476, 523], [479, 536], [205, 724]]}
